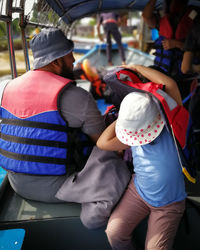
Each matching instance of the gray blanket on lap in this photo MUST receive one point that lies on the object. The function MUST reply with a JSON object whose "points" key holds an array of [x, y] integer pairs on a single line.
{"points": [[98, 187]]}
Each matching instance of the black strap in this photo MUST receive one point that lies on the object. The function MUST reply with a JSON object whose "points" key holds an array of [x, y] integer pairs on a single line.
{"points": [[56, 144], [41, 159], [31, 124]]}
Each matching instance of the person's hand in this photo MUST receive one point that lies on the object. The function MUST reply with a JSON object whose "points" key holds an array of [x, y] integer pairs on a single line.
{"points": [[133, 67], [101, 38], [168, 44]]}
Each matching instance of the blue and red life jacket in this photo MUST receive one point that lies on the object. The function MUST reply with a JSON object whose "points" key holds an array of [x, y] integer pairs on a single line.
{"points": [[170, 60], [124, 81], [35, 138]]}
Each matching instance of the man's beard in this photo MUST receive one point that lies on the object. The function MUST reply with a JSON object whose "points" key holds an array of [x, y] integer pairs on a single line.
{"points": [[67, 73]]}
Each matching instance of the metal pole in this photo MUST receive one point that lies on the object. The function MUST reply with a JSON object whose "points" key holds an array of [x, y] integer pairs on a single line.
{"points": [[23, 35], [10, 39]]}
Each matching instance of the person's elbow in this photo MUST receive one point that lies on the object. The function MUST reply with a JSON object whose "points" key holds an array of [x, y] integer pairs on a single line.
{"points": [[99, 144], [185, 69], [95, 137], [104, 144]]}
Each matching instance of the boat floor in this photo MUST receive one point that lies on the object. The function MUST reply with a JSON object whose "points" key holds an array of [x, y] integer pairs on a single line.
{"points": [[97, 57]]}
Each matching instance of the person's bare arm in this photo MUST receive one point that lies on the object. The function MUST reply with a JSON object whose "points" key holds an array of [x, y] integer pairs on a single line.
{"points": [[196, 68], [171, 44], [148, 15], [95, 137], [109, 141], [156, 76], [186, 66], [99, 33], [119, 21]]}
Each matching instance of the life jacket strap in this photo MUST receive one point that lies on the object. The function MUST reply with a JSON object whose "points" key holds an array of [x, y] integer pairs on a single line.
{"points": [[16, 139], [32, 124], [32, 158]]}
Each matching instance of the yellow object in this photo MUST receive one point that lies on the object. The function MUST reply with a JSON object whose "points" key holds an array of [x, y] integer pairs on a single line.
{"points": [[189, 177], [90, 71]]}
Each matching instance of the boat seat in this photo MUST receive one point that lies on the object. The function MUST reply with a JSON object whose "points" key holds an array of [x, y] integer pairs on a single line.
{"points": [[16, 208], [47, 225]]}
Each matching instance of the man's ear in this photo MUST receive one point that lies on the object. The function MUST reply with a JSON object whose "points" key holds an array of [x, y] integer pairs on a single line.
{"points": [[55, 62], [56, 66]]}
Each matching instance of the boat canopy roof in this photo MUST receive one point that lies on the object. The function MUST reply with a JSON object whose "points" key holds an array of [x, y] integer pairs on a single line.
{"points": [[71, 10]]}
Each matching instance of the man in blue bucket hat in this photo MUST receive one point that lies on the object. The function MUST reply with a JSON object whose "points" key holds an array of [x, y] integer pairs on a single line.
{"points": [[49, 125]]}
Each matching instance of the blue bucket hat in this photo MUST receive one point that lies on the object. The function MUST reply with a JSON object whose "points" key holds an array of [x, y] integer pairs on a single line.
{"points": [[48, 45]]}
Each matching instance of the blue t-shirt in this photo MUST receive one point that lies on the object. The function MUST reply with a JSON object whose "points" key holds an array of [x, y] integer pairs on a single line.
{"points": [[158, 174]]}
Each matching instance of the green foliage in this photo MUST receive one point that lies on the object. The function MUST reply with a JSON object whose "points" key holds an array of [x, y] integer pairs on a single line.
{"points": [[41, 12], [2, 30], [4, 44], [35, 13], [16, 28], [135, 13], [92, 22], [52, 18]]}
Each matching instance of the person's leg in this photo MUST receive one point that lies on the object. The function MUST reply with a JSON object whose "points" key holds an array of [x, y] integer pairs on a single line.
{"points": [[36, 187], [162, 226], [118, 38], [126, 216], [108, 43]]}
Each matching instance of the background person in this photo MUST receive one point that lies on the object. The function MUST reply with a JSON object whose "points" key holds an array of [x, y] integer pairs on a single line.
{"points": [[191, 56], [110, 22], [191, 64], [173, 27], [45, 121]]}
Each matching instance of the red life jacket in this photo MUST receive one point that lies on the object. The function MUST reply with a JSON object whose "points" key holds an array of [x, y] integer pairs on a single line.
{"points": [[35, 138], [182, 29]]}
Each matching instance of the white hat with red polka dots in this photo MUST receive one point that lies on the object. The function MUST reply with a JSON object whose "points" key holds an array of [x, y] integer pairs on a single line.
{"points": [[139, 121]]}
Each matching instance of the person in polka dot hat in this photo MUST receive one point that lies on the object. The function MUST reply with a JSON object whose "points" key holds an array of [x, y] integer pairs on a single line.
{"points": [[157, 186]]}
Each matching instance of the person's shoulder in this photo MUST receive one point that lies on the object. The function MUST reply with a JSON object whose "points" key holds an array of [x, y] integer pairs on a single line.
{"points": [[76, 91]]}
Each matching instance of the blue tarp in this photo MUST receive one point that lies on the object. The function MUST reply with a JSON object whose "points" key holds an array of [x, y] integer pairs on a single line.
{"points": [[71, 10]]}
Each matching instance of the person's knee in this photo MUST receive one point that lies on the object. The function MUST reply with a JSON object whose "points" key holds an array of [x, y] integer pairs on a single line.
{"points": [[112, 232], [116, 233]]}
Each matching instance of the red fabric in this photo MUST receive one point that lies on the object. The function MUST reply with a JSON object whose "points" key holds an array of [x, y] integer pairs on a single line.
{"points": [[134, 77], [109, 108], [32, 93], [182, 30], [165, 28]]}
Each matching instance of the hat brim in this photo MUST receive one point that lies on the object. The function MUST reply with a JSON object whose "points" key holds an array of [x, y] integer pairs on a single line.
{"points": [[45, 60], [138, 138]]}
